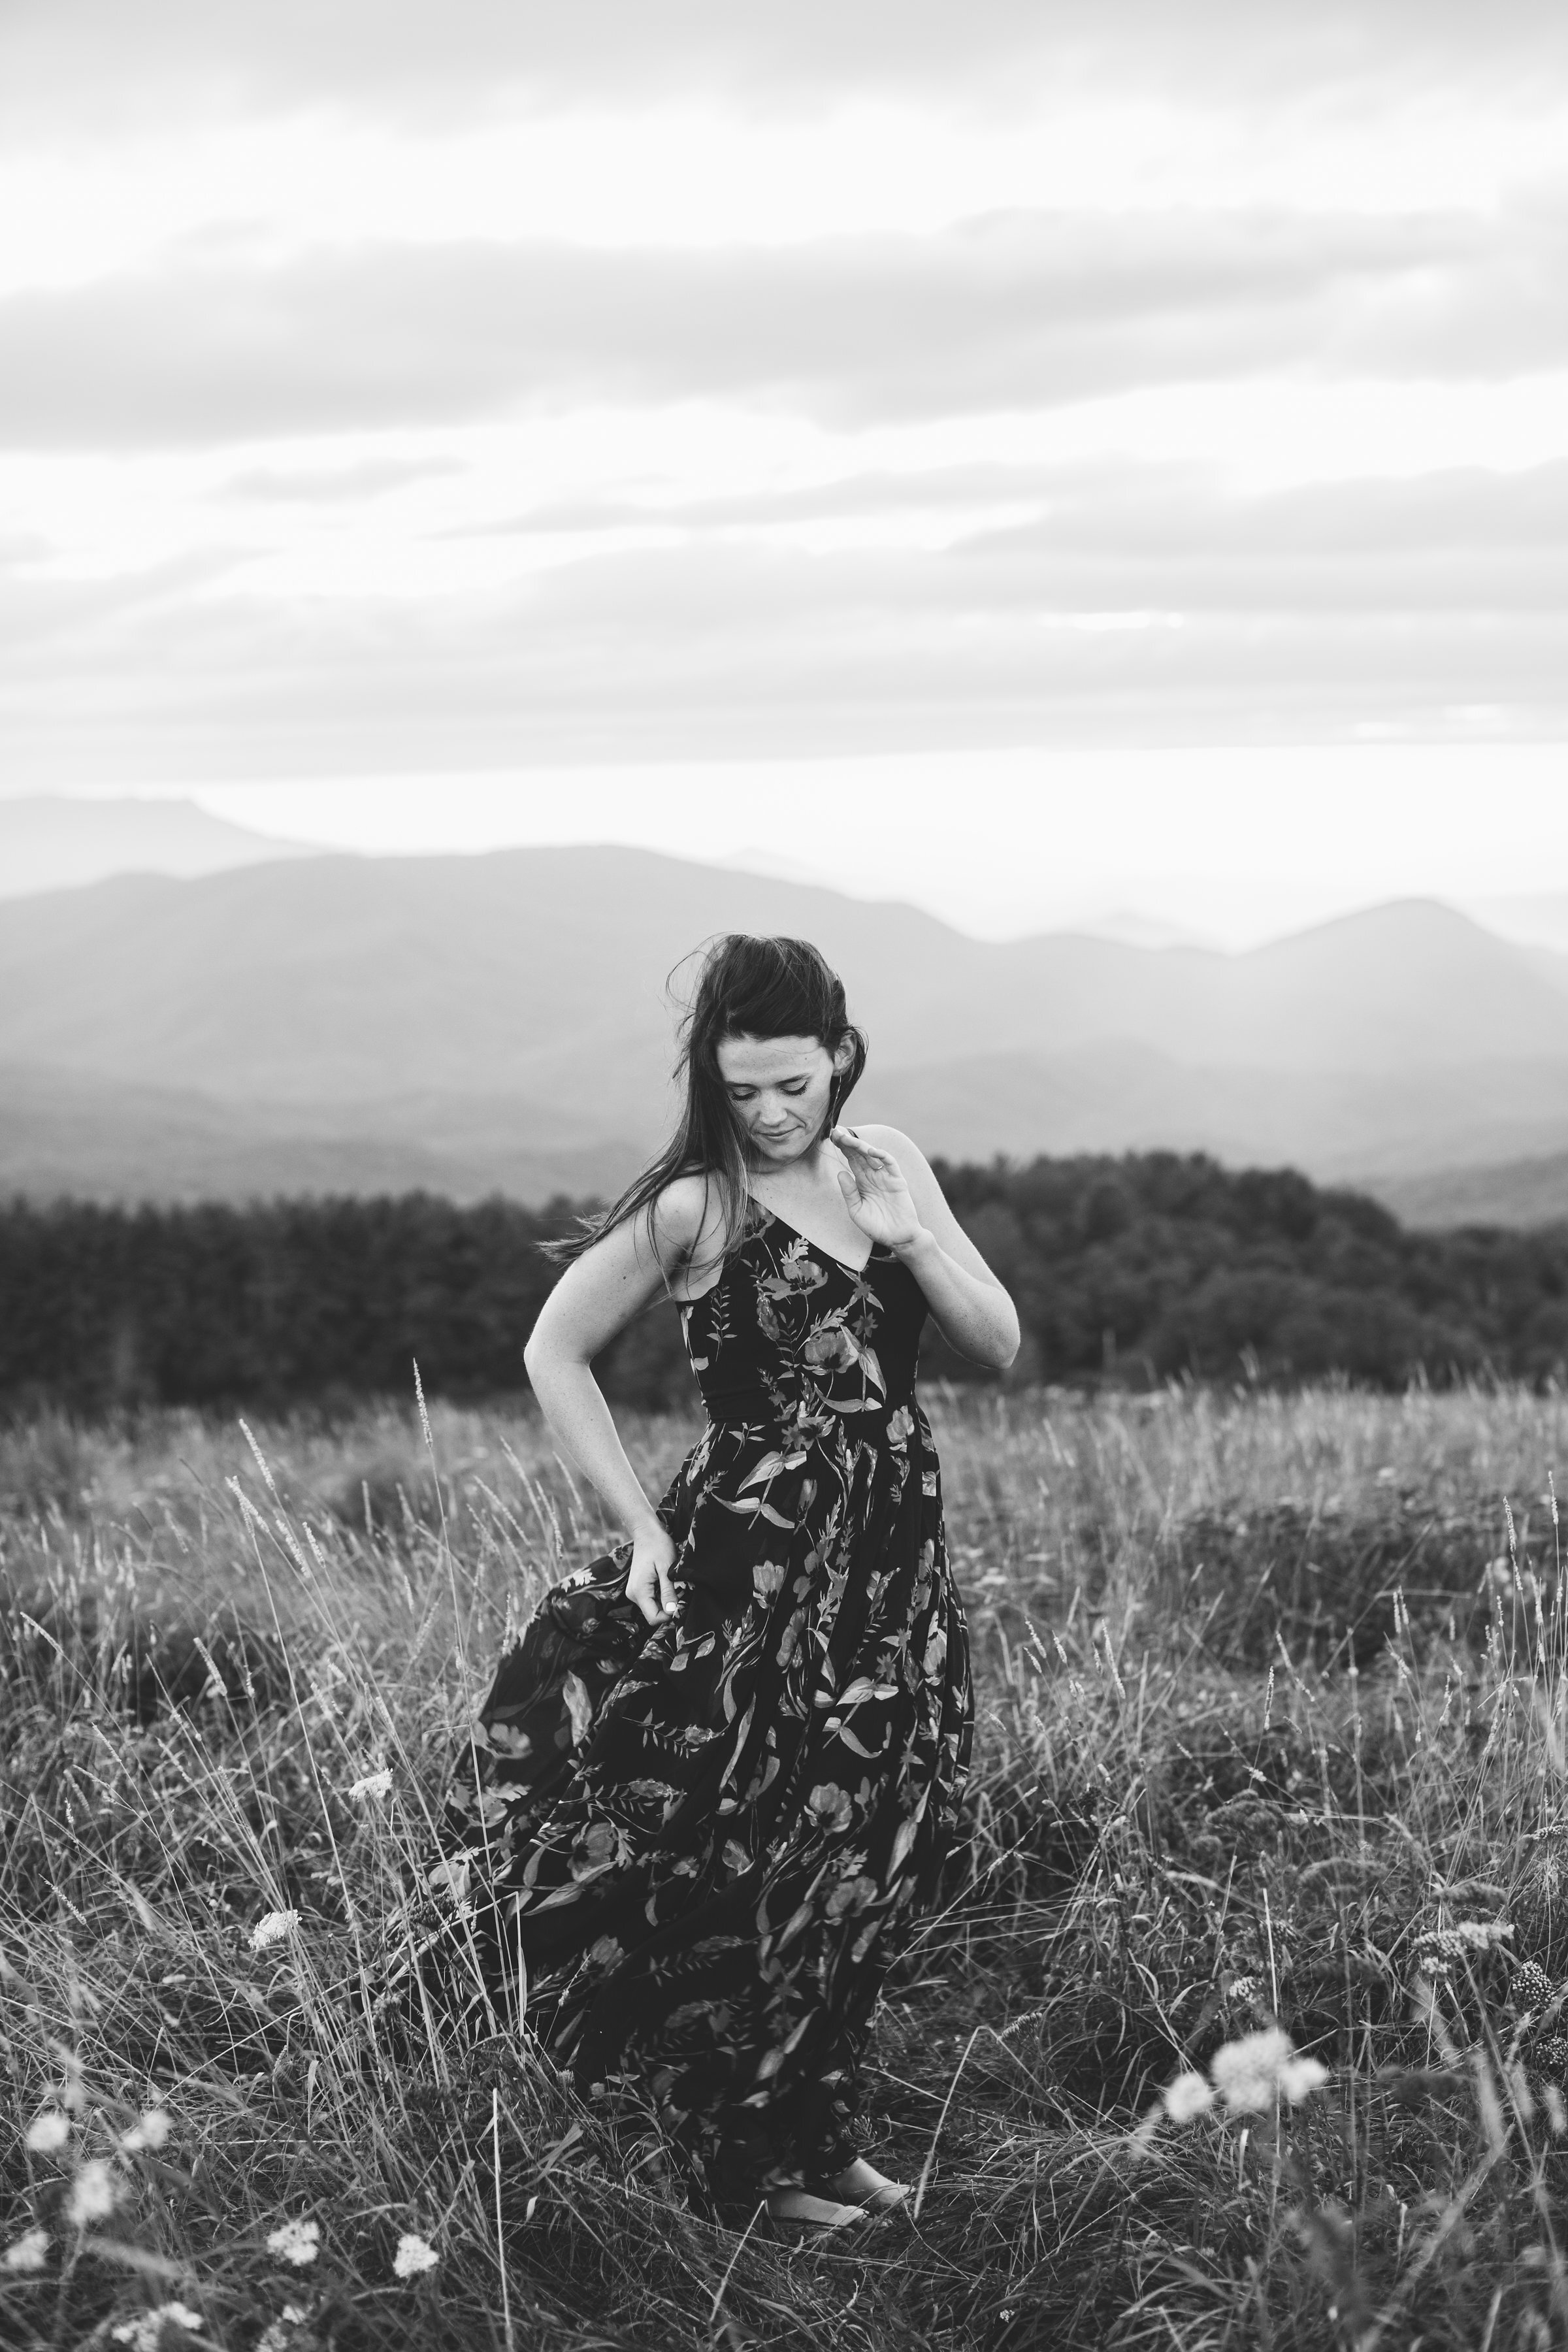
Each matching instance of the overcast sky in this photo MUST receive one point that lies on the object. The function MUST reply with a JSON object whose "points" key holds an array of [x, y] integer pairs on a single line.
{"points": [[480, 389]]}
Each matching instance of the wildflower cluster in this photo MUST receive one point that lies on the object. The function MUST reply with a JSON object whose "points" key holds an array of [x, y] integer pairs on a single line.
{"points": [[1531, 1986], [414, 2256], [145, 2333], [1440, 1949], [1247, 2077], [296, 2242], [275, 2336], [273, 1929]]}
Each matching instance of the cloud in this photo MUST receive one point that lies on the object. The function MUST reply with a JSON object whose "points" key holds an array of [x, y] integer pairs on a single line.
{"points": [[1015, 311], [1142, 605], [90, 58], [333, 484]]}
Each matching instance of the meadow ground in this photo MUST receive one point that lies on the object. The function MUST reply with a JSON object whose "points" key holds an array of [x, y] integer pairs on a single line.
{"points": [[1274, 1701]]}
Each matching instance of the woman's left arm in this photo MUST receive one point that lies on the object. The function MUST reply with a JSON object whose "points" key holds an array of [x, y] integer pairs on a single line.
{"points": [[891, 1194]]}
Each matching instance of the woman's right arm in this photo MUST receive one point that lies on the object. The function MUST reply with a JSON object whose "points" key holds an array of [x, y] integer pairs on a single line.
{"points": [[599, 1293]]}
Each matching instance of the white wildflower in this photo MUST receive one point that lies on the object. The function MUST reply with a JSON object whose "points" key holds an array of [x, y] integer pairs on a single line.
{"points": [[49, 2131], [273, 1929], [93, 2194], [1187, 2097], [1245, 1988], [1249, 2075], [298, 2241], [374, 1784], [278, 2331], [413, 2254], [1469, 1936], [150, 2130], [27, 2252], [1299, 2078], [145, 2334]]}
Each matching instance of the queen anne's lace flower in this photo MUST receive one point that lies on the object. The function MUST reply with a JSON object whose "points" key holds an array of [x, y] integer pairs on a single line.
{"points": [[49, 2131], [1469, 1936], [279, 2333], [27, 2252], [150, 2130], [1187, 2097], [1299, 2077], [94, 2194], [374, 1784], [296, 2241], [1249, 2075], [145, 2334], [413, 2254], [273, 1929]]}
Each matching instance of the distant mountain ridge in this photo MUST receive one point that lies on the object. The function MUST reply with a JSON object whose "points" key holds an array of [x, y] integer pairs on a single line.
{"points": [[480, 1017], [51, 841]]}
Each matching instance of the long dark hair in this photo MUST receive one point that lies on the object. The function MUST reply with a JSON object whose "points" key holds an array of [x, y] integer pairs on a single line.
{"points": [[747, 988]]}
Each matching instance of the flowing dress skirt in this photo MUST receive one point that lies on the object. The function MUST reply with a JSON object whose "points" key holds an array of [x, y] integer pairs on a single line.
{"points": [[684, 1858]]}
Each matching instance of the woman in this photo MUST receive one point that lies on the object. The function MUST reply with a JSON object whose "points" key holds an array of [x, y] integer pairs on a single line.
{"points": [[720, 1772]]}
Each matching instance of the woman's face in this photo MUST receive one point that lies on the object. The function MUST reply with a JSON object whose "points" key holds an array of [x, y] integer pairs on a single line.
{"points": [[779, 1090]]}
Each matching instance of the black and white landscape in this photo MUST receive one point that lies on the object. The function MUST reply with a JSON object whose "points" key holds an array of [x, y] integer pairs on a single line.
{"points": [[502, 1022]]}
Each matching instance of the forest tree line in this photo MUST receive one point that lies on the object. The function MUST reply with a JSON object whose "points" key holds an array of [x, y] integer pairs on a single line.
{"points": [[1135, 1270]]}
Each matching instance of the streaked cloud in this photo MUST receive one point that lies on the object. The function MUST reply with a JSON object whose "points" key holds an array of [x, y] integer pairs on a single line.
{"points": [[1008, 314], [422, 58], [1146, 607], [509, 383]]}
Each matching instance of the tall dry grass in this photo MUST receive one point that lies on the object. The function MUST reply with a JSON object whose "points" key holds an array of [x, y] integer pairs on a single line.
{"points": [[1272, 1732]]}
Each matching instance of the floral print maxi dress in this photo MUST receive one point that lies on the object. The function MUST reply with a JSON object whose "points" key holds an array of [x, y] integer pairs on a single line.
{"points": [[684, 1857]]}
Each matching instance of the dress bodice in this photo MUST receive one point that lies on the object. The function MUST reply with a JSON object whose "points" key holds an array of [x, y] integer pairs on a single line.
{"points": [[790, 1333]]}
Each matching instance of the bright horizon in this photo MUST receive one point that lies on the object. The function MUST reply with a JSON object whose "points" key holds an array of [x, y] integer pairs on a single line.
{"points": [[491, 395], [1231, 846]]}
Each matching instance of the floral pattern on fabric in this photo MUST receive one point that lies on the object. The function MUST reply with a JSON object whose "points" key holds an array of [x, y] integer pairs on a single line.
{"points": [[686, 1856]]}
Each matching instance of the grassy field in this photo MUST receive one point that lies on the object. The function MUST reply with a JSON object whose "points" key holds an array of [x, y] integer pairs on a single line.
{"points": [[1272, 1733]]}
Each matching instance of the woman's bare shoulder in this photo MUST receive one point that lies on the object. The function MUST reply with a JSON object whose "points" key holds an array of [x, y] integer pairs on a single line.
{"points": [[904, 1148], [678, 1212]]}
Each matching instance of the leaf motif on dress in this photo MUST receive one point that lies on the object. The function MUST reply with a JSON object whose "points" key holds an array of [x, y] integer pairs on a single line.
{"points": [[579, 1706], [832, 1589]]}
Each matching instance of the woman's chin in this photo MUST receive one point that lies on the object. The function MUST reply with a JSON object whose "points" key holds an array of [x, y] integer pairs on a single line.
{"points": [[780, 1155]]}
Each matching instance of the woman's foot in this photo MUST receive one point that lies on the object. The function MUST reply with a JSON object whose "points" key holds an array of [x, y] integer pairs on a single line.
{"points": [[869, 2190], [823, 2212]]}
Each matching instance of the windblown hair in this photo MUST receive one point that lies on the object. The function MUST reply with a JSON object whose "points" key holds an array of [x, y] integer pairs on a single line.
{"points": [[747, 988]]}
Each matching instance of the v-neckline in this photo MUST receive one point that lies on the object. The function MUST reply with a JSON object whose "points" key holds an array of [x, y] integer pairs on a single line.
{"points": [[841, 1263]]}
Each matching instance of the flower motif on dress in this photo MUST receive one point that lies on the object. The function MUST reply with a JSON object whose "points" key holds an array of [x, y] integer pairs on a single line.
{"points": [[814, 1568], [830, 1805]]}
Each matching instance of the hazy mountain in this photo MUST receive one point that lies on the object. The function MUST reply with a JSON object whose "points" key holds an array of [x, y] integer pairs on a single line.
{"points": [[47, 843], [1334, 1124], [1517, 1192], [62, 1132], [1538, 918], [473, 1014]]}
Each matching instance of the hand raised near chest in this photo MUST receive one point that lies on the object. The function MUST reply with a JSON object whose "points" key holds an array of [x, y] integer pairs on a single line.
{"points": [[875, 1192]]}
